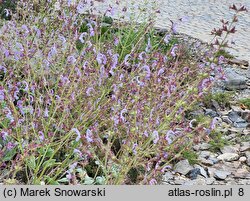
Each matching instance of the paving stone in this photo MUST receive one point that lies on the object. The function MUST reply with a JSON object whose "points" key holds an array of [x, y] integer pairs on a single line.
{"points": [[228, 157]]}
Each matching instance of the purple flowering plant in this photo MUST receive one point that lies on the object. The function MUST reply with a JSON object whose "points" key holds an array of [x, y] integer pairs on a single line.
{"points": [[81, 99]]}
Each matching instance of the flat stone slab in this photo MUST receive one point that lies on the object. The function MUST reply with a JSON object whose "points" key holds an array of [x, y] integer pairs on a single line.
{"points": [[228, 157]]}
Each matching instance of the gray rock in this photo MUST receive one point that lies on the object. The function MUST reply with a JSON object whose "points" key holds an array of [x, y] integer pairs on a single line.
{"points": [[228, 157], [226, 119], [211, 113], [192, 174], [214, 160], [196, 147], [242, 159], [210, 181], [167, 176], [198, 181], [242, 173], [204, 146], [229, 149], [207, 162], [233, 116], [247, 153], [245, 146], [219, 174], [234, 81], [202, 170], [240, 125], [183, 167], [205, 154], [211, 171]]}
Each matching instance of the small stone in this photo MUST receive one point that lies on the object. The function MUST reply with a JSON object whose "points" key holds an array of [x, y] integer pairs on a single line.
{"points": [[211, 171], [211, 113], [240, 125], [233, 116], [242, 159], [229, 149], [204, 146], [247, 153], [236, 130], [245, 146], [234, 81], [228, 157], [205, 154], [207, 162], [242, 173], [202, 170], [236, 108], [214, 160], [210, 181], [183, 167], [196, 147], [226, 119], [167, 176], [219, 174], [192, 174], [198, 181]]}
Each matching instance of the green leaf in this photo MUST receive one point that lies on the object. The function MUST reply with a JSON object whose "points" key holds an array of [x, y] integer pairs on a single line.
{"points": [[9, 154], [49, 163], [51, 181], [100, 180], [88, 180], [63, 180], [31, 162]]}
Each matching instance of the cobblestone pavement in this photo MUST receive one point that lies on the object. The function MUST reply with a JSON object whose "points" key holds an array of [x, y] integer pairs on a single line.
{"points": [[203, 16]]}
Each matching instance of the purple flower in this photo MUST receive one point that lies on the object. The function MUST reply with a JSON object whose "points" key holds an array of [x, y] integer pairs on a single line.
{"points": [[174, 27], [173, 51], [215, 121], [149, 46], [10, 145], [116, 41], [71, 59], [141, 55], [2, 96], [89, 136], [155, 136], [72, 167], [169, 136], [191, 123], [78, 72], [77, 133], [160, 71], [52, 52], [126, 59], [134, 148], [4, 135], [147, 69], [139, 82], [82, 37], [46, 113], [121, 114], [91, 30], [167, 38], [41, 135], [77, 151], [184, 19], [101, 59], [80, 8], [10, 116], [165, 167], [89, 90], [153, 182]]}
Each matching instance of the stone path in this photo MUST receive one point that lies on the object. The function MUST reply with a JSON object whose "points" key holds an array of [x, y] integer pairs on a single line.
{"points": [[203, 16]]}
